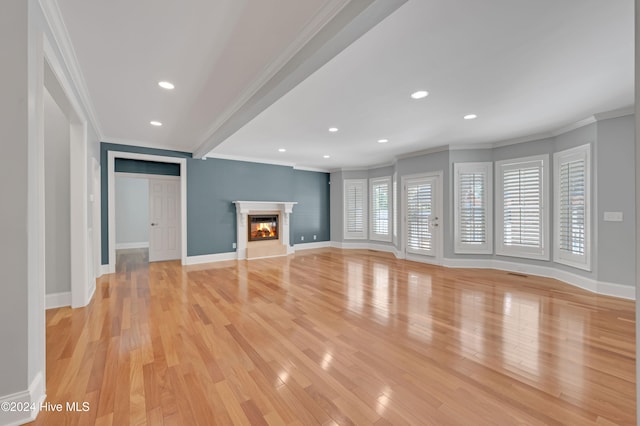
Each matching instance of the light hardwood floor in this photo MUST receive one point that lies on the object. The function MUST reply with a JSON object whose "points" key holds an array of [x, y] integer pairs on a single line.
{"points": [[339, 337]]}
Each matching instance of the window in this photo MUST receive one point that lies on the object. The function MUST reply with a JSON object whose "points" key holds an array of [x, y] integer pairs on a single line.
{"points": [[473, 184], [571, 171], [380, 209], [355, 209], [522, 214], [394, 192], [420, 216]]}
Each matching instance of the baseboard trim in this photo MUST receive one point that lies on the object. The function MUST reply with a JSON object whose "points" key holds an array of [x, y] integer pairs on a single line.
{"points": [[617, 290], [364, 246], [124, 246], [209, 258], [599, 287], [34, 396], [311, 246], [585, 283], [58, 300], [104, 270]]}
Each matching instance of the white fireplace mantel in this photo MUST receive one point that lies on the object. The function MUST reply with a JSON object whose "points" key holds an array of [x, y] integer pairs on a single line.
{"points": [[244, 208]]}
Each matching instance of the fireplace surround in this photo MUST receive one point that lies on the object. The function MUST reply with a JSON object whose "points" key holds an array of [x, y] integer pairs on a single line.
{"points": [[263, 247]]}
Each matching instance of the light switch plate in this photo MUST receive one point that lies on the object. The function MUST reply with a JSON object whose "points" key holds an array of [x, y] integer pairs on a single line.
{"points": [[613, 216]]}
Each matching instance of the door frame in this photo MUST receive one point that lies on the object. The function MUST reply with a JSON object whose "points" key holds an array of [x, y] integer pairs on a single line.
{"points": [[439, 247], [111, 179]]}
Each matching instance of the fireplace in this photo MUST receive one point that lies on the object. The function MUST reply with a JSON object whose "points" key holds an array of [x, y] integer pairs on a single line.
{"points": [[263, 227], [276, 215]]}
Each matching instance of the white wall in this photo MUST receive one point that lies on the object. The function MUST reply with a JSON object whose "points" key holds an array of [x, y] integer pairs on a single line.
{"points": [[132, 212], [57, 198], [14, 167]]}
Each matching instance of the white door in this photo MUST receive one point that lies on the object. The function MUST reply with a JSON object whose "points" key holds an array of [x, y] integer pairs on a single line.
{"points": [[164, 219], [422, 216]]}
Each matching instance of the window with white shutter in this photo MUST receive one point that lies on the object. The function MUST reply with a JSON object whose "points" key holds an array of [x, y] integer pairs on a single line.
{"points": [[380, 197], [355, 208], [572, 203], [522, 214], [420, 216], [472, 205], [394, 208]]}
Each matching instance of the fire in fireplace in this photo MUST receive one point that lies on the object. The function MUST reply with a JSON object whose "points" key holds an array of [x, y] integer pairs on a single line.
{"points": [[263, 227]]}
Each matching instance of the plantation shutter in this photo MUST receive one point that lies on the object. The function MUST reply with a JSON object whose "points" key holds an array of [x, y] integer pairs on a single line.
{"points": [[472, 207], [572, 207], [473, 223], [572, 176], [355, 202], [522, 217], [522, 206], [380, 209], [419, 215]]}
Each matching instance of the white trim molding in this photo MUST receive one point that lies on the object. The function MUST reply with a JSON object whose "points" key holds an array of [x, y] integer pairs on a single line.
{"points": [[58, 300], [125, 246], [311, 246], [104, 270], [387, 248], [210, 258], [585, 283], [54, 19], [34, 397]]}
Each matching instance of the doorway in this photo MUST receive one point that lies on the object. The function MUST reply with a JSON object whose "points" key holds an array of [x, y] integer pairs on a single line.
{"points": [[179, 200], [147, 213], [422, 218]]}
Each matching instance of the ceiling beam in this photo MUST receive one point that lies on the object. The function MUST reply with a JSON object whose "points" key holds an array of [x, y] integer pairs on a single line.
{"points": [[350, 23]]}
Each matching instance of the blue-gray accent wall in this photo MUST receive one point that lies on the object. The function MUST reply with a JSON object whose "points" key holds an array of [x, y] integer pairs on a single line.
{"points": [[213, 184]]}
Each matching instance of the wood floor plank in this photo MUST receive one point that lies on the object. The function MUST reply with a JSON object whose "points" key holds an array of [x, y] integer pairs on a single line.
{"points": [[332, 336]]}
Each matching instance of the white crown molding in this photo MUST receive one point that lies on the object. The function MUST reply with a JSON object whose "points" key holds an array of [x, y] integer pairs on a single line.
{"points": [[420, 153], [524, 139], [248, 159], [574, 126], [367, 168], [616, 113], [53, 16], [139, 143], [311, 169], [461, 147], [262, 161]]}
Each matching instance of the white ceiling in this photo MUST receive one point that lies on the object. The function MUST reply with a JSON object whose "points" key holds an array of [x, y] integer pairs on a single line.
{"points": [[524, 67]]}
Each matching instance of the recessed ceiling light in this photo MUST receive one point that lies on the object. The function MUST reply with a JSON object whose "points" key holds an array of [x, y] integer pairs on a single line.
{"points": [[419, 94], [470, 116], [282, 150], [326, 156], [383, 140], [166, 85], [333, 129], [155, 123]]}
